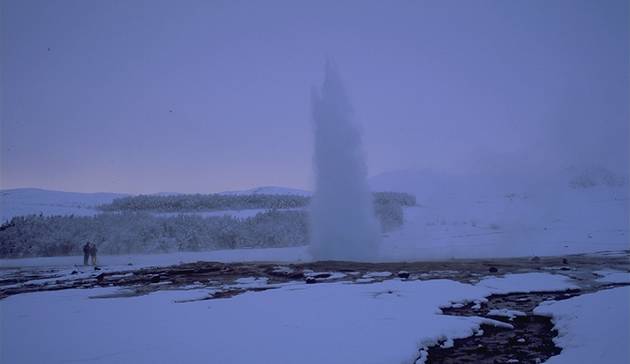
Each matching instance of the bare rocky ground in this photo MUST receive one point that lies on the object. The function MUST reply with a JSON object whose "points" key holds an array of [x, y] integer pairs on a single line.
{"points": [[214, 274], [530, 340]]}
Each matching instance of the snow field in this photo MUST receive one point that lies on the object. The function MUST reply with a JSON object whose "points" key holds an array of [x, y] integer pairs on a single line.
{"points": [[386, 322]]}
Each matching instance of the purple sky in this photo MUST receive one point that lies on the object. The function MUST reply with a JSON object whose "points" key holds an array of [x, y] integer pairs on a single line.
{"points": [[204, 96]]}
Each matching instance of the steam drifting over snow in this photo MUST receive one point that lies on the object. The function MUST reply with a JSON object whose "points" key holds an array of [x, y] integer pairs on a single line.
{"points": [[343, 225]]}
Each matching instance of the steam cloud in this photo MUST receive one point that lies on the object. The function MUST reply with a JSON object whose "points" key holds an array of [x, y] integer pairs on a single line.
{"points": [[343, 224]]}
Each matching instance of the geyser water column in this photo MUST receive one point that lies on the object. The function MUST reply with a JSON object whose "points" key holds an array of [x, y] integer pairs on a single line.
{"points": [[343, 226]]}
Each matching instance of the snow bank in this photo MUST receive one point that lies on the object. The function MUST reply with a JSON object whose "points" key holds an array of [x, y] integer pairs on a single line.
{"points": [[593, 328], [527, 282]]}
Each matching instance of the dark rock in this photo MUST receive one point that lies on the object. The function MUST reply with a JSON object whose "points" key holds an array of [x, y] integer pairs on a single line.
{"points": [[565, 261], [129, 263], [155, 279], [321, 275], [100, 277], [310, 280], [224, 294], [74, 272], [493, 270], [403, 274], [296, 275], [212, 269], [97, 268]]}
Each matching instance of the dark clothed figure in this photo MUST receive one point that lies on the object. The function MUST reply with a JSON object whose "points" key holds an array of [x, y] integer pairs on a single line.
{"points": [[86, 253]]}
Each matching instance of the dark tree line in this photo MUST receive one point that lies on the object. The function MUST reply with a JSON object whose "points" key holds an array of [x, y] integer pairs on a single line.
{"points": [[136, 230], [141, 232], [198, 202]]}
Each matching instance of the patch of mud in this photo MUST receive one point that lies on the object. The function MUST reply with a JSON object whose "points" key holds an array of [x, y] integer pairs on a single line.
{"points": [[223, 276]]}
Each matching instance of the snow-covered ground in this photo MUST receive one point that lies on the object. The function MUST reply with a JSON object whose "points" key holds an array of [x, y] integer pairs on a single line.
{"points": [[483, 216], [592, 328], [293, 254], [425, 235], [385, 322]]}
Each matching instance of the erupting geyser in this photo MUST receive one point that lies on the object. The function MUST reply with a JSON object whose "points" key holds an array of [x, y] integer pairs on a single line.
{"points": [[343, 225]]}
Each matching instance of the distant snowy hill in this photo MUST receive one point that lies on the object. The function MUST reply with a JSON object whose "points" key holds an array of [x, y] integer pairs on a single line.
{"points": [[26, 201], [269, 190]]}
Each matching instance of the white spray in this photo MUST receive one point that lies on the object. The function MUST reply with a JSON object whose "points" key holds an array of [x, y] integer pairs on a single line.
{"points": [[343, 226]]}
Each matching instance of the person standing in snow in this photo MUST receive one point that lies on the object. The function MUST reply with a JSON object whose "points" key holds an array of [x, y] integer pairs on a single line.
{"points": [[93, 250], [86, 253]]}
